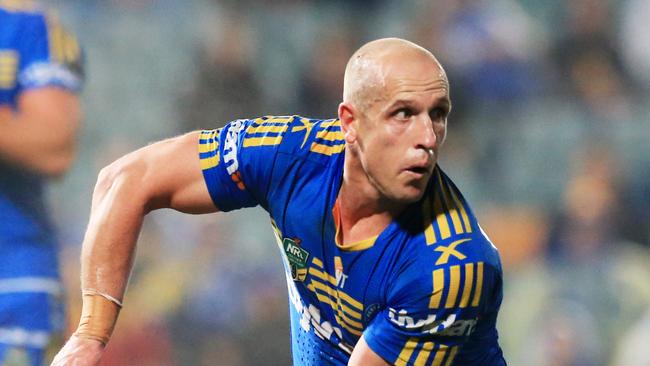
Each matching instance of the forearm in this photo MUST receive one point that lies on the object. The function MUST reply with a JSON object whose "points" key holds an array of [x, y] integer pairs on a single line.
{"points": [[118, 208], [109, 246]]}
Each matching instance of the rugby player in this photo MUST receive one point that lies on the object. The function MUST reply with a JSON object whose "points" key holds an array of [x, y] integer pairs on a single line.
{"points": [[385, 262]]}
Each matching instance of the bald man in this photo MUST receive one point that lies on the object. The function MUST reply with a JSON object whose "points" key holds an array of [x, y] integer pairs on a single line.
{"points": [[385, 262]]}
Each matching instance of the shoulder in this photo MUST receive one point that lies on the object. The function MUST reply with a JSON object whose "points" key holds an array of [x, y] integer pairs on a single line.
{"points": [[449, 250], [305, 138]]}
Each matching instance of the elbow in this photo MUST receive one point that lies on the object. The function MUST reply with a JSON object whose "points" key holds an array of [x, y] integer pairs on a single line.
{"points": [[122, 180]]}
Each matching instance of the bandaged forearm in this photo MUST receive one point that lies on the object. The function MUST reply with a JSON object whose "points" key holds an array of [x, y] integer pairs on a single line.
{"points": [[98, 316]]}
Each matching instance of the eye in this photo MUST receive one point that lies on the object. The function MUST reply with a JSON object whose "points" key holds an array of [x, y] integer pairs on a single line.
{"points": [[403, 113], [438, 114]]}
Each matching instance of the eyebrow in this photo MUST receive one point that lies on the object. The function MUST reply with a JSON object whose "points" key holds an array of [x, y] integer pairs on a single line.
{"points": [[442, 101]]}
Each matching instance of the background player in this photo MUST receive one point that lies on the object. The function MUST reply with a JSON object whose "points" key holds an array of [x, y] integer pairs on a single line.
{"points": [[371, 237], [40, 74]]}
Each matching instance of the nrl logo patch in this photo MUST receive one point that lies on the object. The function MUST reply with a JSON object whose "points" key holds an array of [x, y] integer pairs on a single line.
{"points": [[297, 258]]}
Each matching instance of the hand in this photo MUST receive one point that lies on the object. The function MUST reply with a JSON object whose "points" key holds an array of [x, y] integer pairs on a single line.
{"points": [[79, 352]]}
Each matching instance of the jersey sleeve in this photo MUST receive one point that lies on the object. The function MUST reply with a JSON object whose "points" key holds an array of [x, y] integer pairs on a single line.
{"points": [[49, 55], [437, 315], [237, 161]]}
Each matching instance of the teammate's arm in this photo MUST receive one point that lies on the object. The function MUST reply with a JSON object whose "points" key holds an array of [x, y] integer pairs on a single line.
{"points": [[166, 174], [40, 134], [363, 355]]}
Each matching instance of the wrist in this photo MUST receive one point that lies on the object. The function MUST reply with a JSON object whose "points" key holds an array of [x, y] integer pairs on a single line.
{"points": [[98, 316]]}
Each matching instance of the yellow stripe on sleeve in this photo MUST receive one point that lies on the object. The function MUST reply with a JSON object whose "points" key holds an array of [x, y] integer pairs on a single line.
{"points": [[467, 288], [264, 128], [405, 355], [262, 141], [327, 150], [330, 135], [452, 355], [440, 355], [438, 286], [454, 283], [479, 284], [210, 162]]}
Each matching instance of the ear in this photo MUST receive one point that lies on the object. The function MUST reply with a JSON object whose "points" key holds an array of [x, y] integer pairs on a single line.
{"points": [[349, 122]]}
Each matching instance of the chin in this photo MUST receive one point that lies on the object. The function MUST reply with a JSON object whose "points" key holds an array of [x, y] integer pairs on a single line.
{"points": [[409, 195]]}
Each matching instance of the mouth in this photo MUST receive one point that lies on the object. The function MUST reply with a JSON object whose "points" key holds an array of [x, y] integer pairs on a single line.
{"points": [[418, 172]]}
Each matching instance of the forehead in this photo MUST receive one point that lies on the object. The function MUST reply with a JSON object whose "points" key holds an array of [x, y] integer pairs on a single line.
{"points": [[415, 78]]}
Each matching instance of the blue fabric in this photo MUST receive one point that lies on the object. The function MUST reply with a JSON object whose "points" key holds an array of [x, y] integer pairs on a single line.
{"points": [[428, 289]]}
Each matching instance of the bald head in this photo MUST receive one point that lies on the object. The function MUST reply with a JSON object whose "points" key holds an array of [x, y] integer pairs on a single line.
{"points": [[369, 69]]}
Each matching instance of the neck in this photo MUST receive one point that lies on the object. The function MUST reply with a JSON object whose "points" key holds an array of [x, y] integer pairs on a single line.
{"points": [[364, 210]]}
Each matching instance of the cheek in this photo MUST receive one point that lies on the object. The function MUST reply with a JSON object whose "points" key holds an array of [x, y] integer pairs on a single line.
{"points": [[441, 133]]}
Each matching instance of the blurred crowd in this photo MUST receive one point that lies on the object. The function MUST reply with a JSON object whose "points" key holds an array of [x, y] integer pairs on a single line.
{"points": [[549, 138]]}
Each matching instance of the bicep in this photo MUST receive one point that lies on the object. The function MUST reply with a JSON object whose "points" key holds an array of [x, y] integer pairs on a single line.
{"points": [[363, 355], [172, 175]]}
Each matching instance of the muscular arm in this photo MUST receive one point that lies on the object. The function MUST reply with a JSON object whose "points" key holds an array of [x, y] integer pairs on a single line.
{"points": [[162, 175], [166, 174], [40, 135]]}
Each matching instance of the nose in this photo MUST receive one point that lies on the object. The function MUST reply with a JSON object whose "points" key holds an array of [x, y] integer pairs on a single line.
{"points": [[425, 136]]}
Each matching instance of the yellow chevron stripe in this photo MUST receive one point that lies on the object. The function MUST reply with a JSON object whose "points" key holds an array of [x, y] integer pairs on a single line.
{"points": [[463, 213], [429, 234], [479, 284], [467, 288], [452, 355], [326, 150], [350, 300], [405, 355], [322, 275], [441, 217], [335, 297], [317, 262], [454, 283], [438, 287], [424, 353], [440, 355], [453, 213], [341, 316], [262, 141]]}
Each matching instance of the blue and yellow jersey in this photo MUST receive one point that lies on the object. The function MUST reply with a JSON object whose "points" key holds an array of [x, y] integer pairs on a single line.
{"points": [[35, 52], [426, 291]]}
